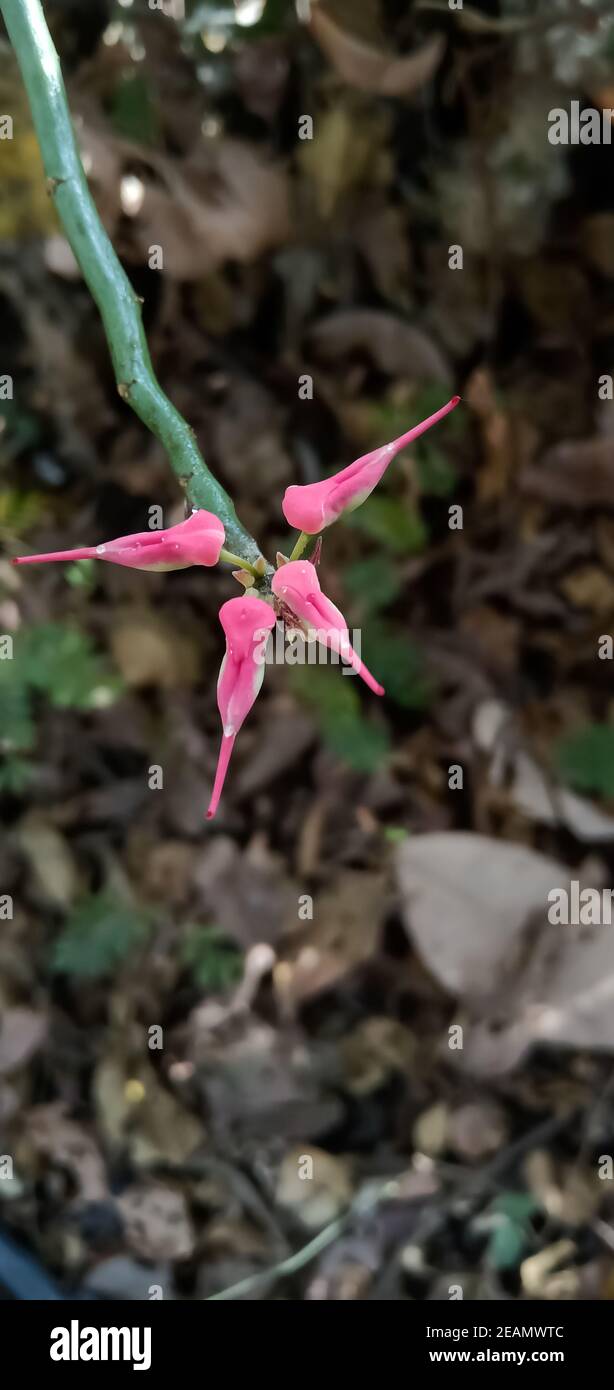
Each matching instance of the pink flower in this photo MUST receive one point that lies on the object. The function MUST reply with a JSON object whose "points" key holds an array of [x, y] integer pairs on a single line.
{"points": [[246, 622], [296, 584], [317, 505], [196, 541]]}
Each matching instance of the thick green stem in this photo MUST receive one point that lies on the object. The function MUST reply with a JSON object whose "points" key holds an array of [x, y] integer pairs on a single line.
{"points": [[109, 285]]}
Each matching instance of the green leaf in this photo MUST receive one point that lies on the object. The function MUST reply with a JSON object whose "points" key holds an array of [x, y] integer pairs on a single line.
{"points": [[396, 834], [21, 430], [512, 1232], [98, 936], [586, 759], [373, 581], [386, 520], [398, 664], [335, 704], [19, 510], [81, 574], [15, 776], [212, 958], [17, 733], [359, 742], [436, 475], [507, 1245], [133, 112], [60, 661]]}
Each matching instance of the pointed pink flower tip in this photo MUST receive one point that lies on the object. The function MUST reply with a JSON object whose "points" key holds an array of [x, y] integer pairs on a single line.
{"points": [[317, 505], [247, 623], [196, 541], [298, 586]]}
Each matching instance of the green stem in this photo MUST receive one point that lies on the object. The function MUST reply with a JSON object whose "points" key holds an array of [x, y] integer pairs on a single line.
{"points": [[227, 558], [303, 540], [108, 284]]}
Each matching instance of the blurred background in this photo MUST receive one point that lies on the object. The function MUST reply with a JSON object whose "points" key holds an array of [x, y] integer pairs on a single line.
{"points": [[344, 999]]}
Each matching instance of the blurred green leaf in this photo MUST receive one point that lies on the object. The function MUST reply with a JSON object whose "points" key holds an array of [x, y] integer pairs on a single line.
{"points": [[133, 111], [586, 759], [397, 663], [373, 581], [386, 520], [81, 574], [60, 661], [436, 475], [15, 774], [212, 958], [20, 430], [19, 510], [512, 1233], [98, 936], [335, 704], [17, 733]]}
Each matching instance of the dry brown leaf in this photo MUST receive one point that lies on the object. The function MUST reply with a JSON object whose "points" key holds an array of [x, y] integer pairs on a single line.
{"points": [[51, 862], [372, 70], [22, 1032], [348, 151], [396, 347], [149, 650], [135, 1109], [477, 1130], [578, 473], [589, 587], [476, 909], [465, 898], [313, 1185], [230, 203], [157, 1222], [343, 934], [67, 1144], [376, 1050]]}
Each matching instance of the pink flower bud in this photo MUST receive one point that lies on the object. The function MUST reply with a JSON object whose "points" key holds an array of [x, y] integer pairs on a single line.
{"points": [[296, 584], [196, 541], [317, 505], [247, 623]]}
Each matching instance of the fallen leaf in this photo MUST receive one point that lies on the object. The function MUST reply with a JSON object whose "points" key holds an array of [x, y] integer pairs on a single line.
{"points": [[541, 1276], [430, 1131], [134, 1109], [314, 1186], [577, 473], [465, 899], [227, 203], [22, 1032], [157, 1222], [396, 347], [371, 69], [52, 864], [476, 910], [149, 650], [343, 934], [67, 1144]]}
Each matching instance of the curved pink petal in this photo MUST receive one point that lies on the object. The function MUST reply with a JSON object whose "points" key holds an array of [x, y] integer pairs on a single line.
{"points": [[297, 585], [196, 541], [316, 505], [247, 623]]}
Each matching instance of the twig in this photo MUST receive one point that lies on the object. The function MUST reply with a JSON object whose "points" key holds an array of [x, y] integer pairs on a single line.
{"points": [[109, 286], [288, 1266]]}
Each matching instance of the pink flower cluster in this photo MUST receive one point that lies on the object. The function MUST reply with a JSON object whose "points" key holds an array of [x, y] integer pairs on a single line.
{"points": [[295, 588]]}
